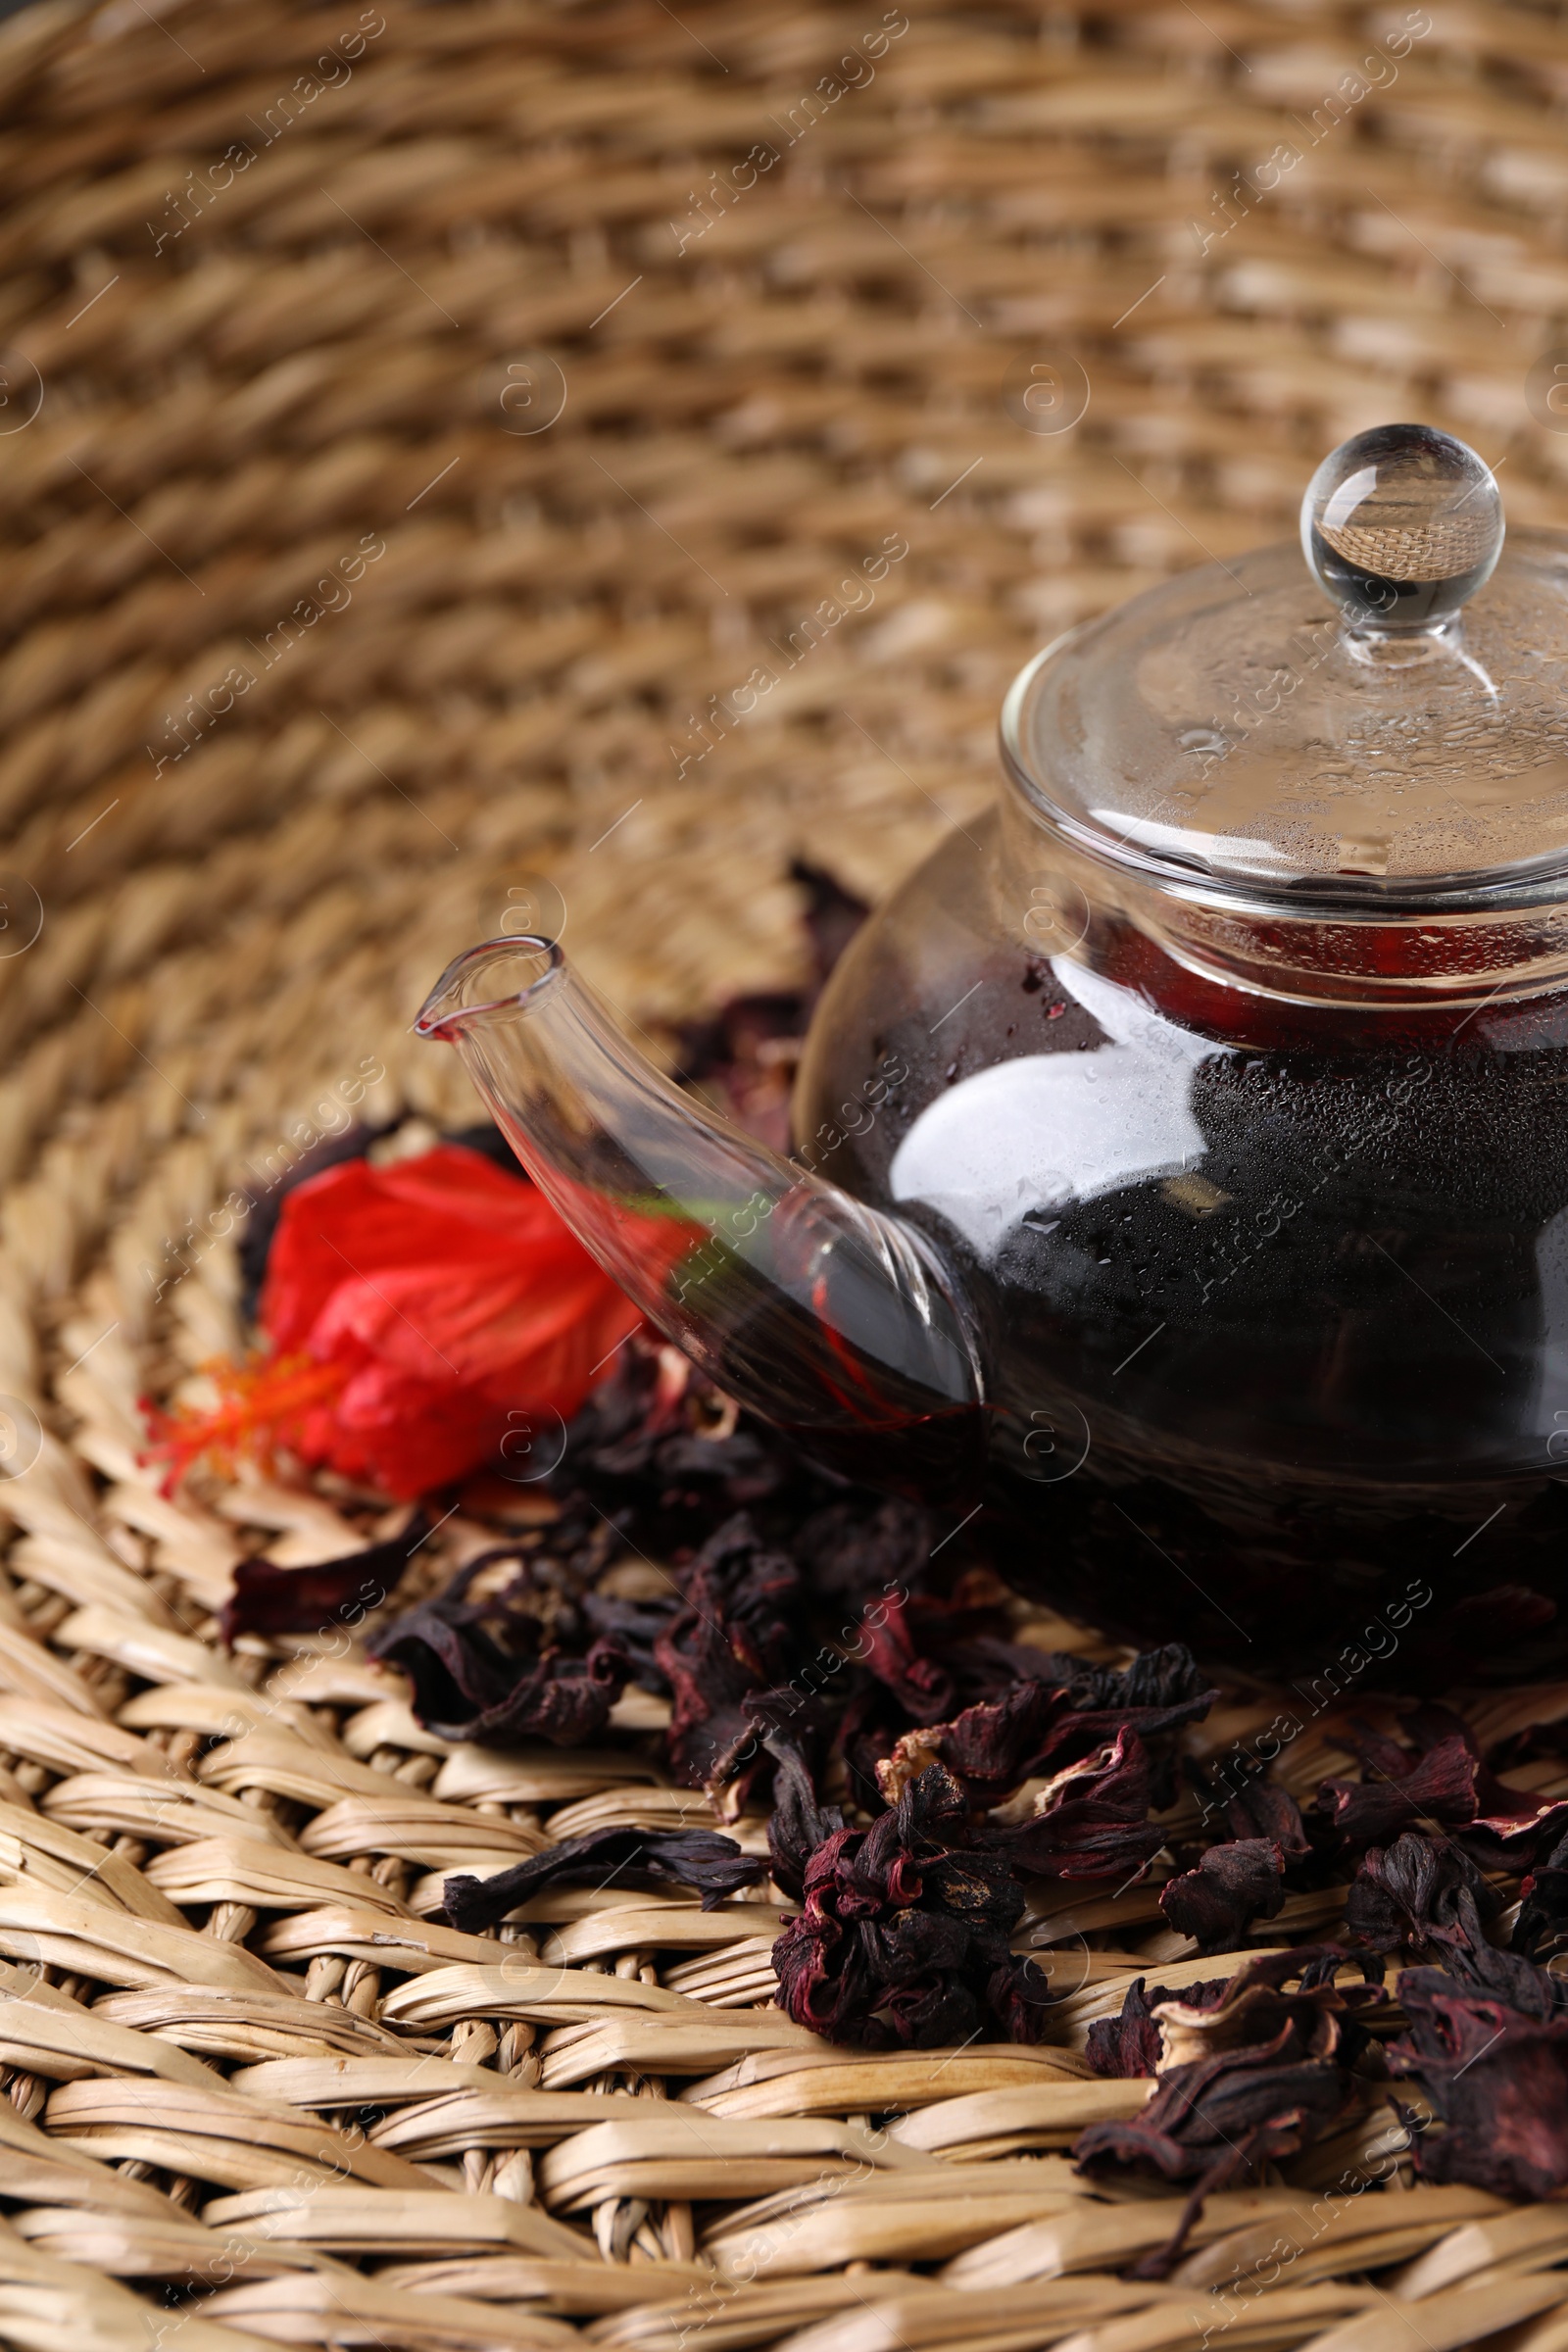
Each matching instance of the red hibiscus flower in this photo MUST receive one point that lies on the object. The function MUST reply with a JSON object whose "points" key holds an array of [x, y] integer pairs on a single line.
{"points": [[420, 1314]]}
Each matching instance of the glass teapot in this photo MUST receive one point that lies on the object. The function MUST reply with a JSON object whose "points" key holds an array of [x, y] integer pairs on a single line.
{"points": [[1181, 1206]]}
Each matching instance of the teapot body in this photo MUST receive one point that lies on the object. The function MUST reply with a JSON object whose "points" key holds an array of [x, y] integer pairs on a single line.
{"points": [[1271, 1293]]}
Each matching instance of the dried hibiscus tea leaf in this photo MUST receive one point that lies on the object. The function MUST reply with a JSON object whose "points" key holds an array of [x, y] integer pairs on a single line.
{"points": [[1487, 2043], [989, 1749], [1406, 1897], [1089, 1821], [1129, 2044], [1512, 1827], [904, 1936], [1046, 1725], [657, 1438], [269, 1599], [1247, 2077], [1233, 1884], [1403, 1789], [887, 1643], [1261, 1808], [486, 1670], [1445, 1784], [642, 1861], [560, 1698], [1542, 1922], [735, 1634], [633, 1626], [1167, 1682], [864, 1549], [1153, 1697], [798, 1822]]}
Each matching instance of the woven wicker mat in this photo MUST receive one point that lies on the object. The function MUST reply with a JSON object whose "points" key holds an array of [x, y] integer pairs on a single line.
{"points": [[418, 425]]}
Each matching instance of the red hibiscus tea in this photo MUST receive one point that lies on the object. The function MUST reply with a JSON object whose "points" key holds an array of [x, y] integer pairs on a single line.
{"points": [[1246, 1399]]}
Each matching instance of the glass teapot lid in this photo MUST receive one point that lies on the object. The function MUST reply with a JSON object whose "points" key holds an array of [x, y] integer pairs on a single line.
{"points": [[1334, 730]]}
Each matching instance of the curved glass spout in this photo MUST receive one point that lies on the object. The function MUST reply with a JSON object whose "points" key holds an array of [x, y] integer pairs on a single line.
{"points": [[828, 1318]]}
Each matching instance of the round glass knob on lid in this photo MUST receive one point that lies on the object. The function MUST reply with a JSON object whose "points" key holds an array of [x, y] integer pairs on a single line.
{"points": [[1336, 729], [1401, 526]]}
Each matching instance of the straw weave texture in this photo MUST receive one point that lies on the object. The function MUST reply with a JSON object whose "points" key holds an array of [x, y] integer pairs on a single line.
{"points": [[290, 300]]}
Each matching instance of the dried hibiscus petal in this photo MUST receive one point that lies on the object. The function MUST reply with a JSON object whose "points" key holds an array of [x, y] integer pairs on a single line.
{"points": [[560, 1698], [1257, 2004], [1160, 1692], [1233, 1884], [1261, 1808], [657, 1438], [903, 1936], [1543, 1908], [989, 1749], [798, 1822], [887, 1643], [857, 1551], [1092, 1819], [267, 1599], [1040, 1725], [1246, 2079], [1488, 2046], [641, 1860], [485, 1670], [633, 1626], [1448, 1784], [734, 1635], [1129, 2044], [1167, 1680], [1216, 2122], [1407, 1896], [1481, 1968], [1439, 1787], [1512, 1826], [1153, 1697]]}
